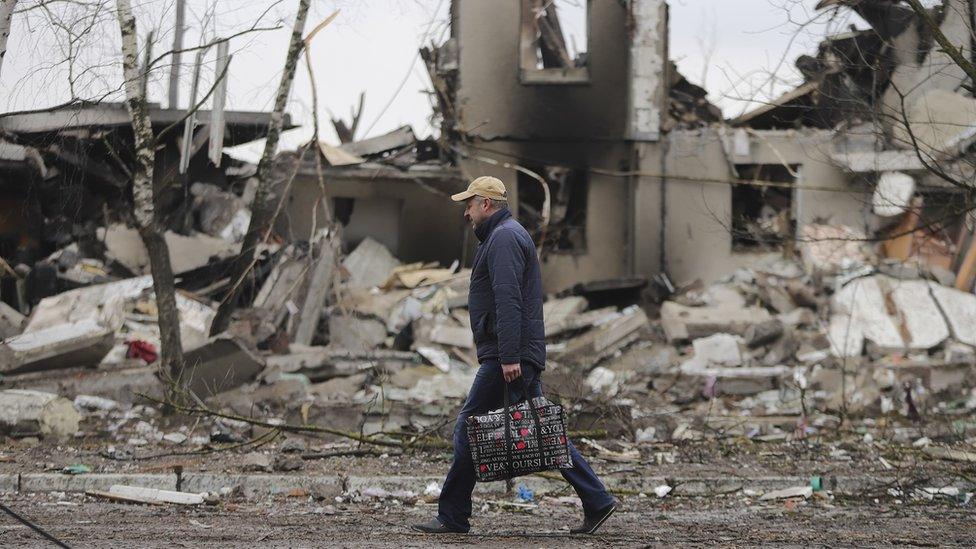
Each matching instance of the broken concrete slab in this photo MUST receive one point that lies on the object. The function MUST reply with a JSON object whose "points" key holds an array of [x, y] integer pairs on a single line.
{"points": [[763, 333], [256, 462], [872, 161], [556, 311], [355, 333], [186, 253], [776, 298], [846, 336], [80, 343], [921, 320], [120, 385], [960, 310], [436, 356], [221, 364], [582, 320], [108, 304], [442, 329], [280, 288], [104, 302], [863, 300], [455, 336], [723, 295], [682, 323], [365, 302], [718, 350], [612, 334], [36, 413], [369, 265], [939, 121]]}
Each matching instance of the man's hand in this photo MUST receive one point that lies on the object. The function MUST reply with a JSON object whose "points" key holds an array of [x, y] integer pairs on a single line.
{"points": [[511, 372]]}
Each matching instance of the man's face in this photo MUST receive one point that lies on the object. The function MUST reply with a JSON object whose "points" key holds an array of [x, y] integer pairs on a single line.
{"points": [[476, 210]]}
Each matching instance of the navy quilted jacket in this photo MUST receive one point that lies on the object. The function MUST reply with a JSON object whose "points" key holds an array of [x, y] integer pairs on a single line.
{"points": [[505, 300]]}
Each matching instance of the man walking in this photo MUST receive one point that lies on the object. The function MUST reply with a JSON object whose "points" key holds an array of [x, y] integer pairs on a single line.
{"points": [[505, 304]]}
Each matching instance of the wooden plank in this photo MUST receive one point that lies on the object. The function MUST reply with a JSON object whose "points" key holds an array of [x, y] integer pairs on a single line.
{"points": [[217, 120], [964, 278], [155, 494], [318, 292], [900, 247], [152, 496], [117, 497]]}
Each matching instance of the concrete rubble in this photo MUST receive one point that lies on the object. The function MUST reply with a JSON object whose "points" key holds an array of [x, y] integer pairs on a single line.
{"points": [[339, 335], [769, 354], [35, 413]]}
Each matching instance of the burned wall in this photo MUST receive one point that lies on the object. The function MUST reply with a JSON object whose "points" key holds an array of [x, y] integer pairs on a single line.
{"points": [[495, 103], [604, 253]]}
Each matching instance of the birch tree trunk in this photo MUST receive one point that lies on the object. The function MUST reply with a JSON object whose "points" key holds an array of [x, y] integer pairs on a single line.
{"points": [[263, 206], [6, 14], [143, 194]]}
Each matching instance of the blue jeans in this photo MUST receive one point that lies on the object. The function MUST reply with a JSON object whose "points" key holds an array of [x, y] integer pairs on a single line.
{"points": [[486, 394]]}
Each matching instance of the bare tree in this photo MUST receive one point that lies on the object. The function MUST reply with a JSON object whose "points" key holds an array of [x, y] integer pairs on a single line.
{"points": [[151, 228], [84, 21], [6, 13], [264, 206]]}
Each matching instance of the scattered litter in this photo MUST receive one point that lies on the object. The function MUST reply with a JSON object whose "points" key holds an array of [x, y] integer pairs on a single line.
{"points": [[524, 495], [76, 469]]}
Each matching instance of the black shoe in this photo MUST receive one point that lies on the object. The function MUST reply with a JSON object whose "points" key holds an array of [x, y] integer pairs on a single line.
{"points": [[434, 527], [592, 523]]}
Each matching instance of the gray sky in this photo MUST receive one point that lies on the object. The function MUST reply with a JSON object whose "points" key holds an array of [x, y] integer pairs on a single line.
{"points": [[734, 48]]}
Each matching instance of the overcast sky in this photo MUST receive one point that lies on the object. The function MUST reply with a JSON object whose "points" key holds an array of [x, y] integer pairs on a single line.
{"points": [[734, 48]]}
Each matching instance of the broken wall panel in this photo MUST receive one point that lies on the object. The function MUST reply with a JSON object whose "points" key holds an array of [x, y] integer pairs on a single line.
{"points": [[864, 301], [65, 345]]}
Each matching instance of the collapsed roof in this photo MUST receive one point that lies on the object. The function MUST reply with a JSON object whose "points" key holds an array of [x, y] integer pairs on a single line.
{"points": [[860, 75]]}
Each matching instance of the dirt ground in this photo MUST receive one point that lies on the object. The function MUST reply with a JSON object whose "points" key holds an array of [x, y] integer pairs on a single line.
{"points": [[872, 518], [81, 521]]}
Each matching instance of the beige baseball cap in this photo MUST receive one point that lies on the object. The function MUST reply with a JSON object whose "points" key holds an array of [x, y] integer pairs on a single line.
{"points": [[485, 187]]}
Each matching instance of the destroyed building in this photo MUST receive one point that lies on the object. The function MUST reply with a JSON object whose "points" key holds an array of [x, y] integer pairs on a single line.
{"points": [[638, 186], [775, 241]]}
